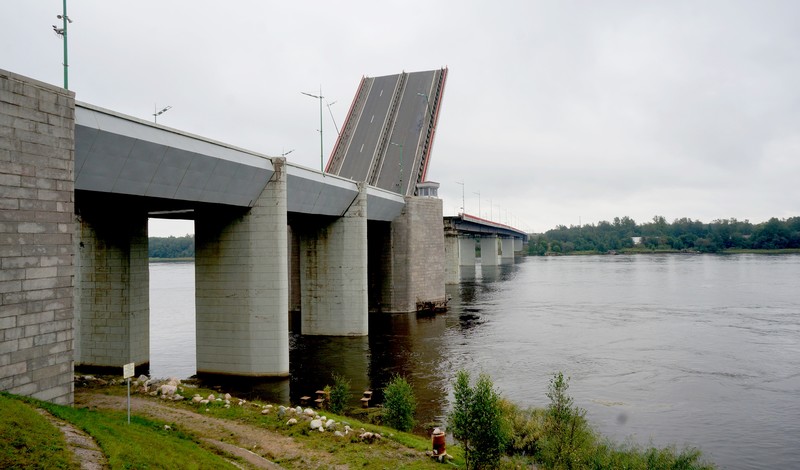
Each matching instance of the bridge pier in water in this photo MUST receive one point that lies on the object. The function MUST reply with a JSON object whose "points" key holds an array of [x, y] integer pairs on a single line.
{"points": [[241, 285]]}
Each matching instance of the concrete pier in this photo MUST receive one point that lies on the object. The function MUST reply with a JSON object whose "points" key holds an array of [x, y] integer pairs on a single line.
{"points": [[333, 272], [452, 258], [241, 285], [489, 252], [112, 275], [506, 250]]}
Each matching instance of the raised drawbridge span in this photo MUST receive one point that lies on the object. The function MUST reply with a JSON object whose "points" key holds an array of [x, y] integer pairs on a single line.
{"points": [[387, 137]]}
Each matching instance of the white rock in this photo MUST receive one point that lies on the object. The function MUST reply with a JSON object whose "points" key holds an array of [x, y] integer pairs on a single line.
{"points": [[227, 396], [142, 378], [166, 427], [291, 421], [219, 400], [241, 402], [316, 424], [227, 402], [298, 410], [227, 406], [204, 402], [177, 397], [338, 434], [211, 397], [198, 399], [264, 412], [329, 424], [168, 390], [174, 381], [309, 412]]}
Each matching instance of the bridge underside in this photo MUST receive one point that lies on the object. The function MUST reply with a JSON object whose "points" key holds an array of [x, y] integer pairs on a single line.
{"points": [[387, 137]]}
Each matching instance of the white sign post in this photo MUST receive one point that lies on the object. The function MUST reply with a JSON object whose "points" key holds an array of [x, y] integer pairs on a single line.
{"points": [[127, 373]]}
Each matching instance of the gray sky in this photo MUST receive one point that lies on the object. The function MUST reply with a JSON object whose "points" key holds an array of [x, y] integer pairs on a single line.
{"points": [[556, 112]]}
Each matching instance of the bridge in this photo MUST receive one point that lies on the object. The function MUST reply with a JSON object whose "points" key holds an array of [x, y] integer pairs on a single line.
{"points": [[463, 233], [77, 186]]}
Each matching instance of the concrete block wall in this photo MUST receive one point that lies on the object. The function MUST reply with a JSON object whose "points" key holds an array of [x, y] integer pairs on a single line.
{"points": [[242, 285], [416, 273], [333, 273], [112, 320], [36, 238], [467, 249]]}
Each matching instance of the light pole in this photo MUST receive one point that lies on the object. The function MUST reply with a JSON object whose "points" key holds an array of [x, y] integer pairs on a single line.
{"points": [[156, 113], [427, 104], [479, 202], [319, 97], [62, 31], [400, 185], [463, 210], [283, 154]]}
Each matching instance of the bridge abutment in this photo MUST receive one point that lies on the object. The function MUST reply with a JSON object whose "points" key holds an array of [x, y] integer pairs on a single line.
{"points": [[241, 285], [333, 272]]}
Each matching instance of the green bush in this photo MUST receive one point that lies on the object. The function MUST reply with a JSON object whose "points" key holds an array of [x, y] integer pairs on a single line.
{"points": [[399, 404], [568, 439], [340, 394], [477, 421], [527, 428]]}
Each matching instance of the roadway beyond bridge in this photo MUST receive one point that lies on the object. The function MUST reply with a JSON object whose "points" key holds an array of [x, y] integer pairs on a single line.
{"points": [[463, 233]]}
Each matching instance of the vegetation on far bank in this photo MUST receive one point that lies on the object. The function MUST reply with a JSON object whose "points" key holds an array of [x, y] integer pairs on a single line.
{"points": [[163, 248], [682, 235]]}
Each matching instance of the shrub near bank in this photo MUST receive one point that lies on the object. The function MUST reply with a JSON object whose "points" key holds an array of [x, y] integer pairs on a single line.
{"points": [[399, 404], [559, 437]]}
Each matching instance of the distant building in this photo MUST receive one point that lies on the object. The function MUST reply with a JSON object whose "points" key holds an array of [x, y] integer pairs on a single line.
{"points": [[636, 240]]}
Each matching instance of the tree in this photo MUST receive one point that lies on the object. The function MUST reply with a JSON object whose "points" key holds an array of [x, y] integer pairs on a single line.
{"points": [[340, 393], [478, 422], [399, 404], [566, 429]]}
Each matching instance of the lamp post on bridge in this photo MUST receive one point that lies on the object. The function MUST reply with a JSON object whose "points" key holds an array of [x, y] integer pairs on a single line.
{"points": [[156, 113], [479, 202], [463, 210], [319, 97], [62, 31], [400, 185]]}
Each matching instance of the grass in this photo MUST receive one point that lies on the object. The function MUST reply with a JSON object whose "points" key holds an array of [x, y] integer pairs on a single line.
{"points": [[143, 443], [29, 440]]}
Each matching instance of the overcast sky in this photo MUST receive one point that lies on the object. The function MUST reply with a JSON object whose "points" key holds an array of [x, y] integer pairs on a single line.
{"points": [[557, 112]]}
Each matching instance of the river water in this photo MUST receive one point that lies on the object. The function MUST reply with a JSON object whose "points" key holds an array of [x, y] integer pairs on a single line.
{"points": [[700, 350]]}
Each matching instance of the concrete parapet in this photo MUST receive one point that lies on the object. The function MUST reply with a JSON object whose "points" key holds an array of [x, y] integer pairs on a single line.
{"points": [[333, 272], [242, 287], [36, 238]]}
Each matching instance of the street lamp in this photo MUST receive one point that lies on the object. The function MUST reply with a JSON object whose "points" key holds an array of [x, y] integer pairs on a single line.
{"points": [[479, 202], [319, 97], [462, 197], [62, 31], [156, 114], [427, 105], [400, 185]]}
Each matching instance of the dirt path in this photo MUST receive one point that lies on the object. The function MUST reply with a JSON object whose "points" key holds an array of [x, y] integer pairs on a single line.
{"points": [[223, 434], [82, 446]]}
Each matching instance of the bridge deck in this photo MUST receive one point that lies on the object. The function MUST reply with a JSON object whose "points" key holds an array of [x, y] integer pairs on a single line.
{"points": [[387, 137]]}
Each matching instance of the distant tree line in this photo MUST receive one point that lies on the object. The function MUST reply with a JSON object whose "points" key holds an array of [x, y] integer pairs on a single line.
{"points": [[171, 247], [681, 235]]}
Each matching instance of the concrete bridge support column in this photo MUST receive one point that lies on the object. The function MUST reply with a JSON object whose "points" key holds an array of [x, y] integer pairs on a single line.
{"points": [[466, 248], [416, 272], [112, 286], [452, 258], [489, 254], [242, 287], [333, 274], [507, 251], [517, 245]]}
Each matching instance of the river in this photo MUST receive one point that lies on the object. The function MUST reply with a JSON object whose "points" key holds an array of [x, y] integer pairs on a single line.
{"points": [[700, 350]]}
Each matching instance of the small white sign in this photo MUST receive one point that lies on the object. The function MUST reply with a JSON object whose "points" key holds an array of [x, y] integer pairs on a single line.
{"points": [[127, 370]]}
